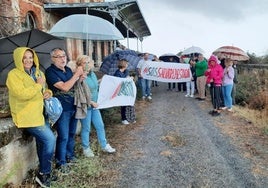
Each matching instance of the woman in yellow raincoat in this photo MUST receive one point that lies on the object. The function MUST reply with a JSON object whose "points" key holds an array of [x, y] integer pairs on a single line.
{"points": [[26, 98]]}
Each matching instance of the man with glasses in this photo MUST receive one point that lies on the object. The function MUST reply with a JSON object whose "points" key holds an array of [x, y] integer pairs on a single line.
{"points": [[60, 80]]}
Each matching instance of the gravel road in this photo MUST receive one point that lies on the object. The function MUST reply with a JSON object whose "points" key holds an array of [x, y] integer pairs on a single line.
{"points": [[176, 144]]}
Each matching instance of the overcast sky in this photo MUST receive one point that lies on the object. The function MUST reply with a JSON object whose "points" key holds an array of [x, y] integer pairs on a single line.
{"points": [[178, 24]]}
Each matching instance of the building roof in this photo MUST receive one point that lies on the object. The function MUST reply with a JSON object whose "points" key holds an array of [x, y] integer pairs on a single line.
{"points": [[128, 15]]}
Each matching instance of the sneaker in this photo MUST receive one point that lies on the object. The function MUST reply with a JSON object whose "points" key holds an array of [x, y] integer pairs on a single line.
{"points": [[43, 180], [187, 95], [72, 160], [192, 96], [88, 152], [63, 169], [134, 121], [143, 97], [223, 108], [149, 98], [229, 109], [125, 122], [108, 149]]}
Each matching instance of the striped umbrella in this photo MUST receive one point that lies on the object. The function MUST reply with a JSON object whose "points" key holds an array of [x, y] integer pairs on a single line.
{"points": [[231, 52]]}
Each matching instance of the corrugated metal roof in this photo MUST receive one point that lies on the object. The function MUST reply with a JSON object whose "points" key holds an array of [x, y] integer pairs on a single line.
{"points": [[128, 14]]}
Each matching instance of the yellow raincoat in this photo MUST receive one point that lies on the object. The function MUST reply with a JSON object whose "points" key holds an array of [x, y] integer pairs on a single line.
{"points": [[25, 95]]}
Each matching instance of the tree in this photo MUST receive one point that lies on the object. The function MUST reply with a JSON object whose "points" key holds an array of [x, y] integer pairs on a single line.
{"points": [[253, 59]]}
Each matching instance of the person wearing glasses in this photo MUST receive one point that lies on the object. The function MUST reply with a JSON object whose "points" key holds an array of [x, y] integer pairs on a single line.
{"points": [[60, 80], [27, 91]]}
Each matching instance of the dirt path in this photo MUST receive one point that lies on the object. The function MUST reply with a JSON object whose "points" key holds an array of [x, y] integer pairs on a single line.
{"points": [[175, 143]]}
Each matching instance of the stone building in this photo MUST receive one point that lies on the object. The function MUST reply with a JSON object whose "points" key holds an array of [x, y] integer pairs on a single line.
{"points": [[20, 15], [17, 154]]}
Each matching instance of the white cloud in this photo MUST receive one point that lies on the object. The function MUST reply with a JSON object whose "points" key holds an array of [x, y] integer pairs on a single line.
{"points": [[209, 24]]}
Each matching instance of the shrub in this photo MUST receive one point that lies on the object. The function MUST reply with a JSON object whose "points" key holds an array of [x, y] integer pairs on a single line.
{"points": [[259, 101], [251, 90], [247, 87]]}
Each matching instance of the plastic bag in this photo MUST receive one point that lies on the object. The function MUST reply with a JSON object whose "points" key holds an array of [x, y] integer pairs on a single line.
{"points": [[53, 109]]}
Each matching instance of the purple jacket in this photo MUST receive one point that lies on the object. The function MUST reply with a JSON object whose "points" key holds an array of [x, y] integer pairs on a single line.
{"points": [[228, 77]]}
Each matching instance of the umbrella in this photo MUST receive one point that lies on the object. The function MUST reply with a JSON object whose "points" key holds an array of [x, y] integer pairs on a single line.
{"points": [[110, 62], [38, 40], [166, 57], [231, 52], [86, 27], [193, 50]]}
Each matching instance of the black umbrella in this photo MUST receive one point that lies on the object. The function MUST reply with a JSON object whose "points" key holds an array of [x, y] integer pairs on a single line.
{"points": [[42, 43], [166, 58], [110, 62]]}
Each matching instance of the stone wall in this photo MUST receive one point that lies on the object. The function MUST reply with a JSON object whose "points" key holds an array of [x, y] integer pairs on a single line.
{"points": [[17, 153]]}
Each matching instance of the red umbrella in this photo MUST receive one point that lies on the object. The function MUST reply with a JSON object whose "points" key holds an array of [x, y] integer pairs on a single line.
{"points": [[231, 52]]}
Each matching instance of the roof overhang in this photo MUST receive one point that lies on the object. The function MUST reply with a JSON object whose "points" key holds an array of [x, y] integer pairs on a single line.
{"points": [[126, 15]]}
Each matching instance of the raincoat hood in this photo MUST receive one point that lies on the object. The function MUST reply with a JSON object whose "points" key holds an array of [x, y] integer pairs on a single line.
{"points": [[18, 57], [212, 58]]}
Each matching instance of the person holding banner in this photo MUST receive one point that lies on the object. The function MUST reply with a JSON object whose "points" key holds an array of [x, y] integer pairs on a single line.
{"points": [[93, 115], [171, 59], [127, 112], [145, 83]]}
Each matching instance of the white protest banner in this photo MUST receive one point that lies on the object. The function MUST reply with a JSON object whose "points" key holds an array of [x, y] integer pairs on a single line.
{"points": [[116, 91], [166, 71]]}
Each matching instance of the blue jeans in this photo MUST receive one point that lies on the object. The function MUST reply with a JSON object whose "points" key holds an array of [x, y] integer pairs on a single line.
{"points": [[190, 87], [94, 116], [66, 129], [145, 87], [45, 145], [227, 95]]}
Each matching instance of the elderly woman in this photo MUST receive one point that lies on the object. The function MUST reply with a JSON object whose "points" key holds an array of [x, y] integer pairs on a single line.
{"points": [[26, 85], [93, 115]]}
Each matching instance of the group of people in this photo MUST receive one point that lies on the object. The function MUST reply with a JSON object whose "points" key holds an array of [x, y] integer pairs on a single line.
{"points": [[28, 88], [218, 76]]}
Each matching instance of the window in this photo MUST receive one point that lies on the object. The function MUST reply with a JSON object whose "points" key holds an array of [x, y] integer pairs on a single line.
{"points": [[30, 21]]}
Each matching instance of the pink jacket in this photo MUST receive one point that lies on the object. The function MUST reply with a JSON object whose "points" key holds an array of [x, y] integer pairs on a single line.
{"points": [[215, 74]]}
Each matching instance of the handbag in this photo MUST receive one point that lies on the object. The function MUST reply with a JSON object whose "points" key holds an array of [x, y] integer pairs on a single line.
{"points": [[53, 109]]}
